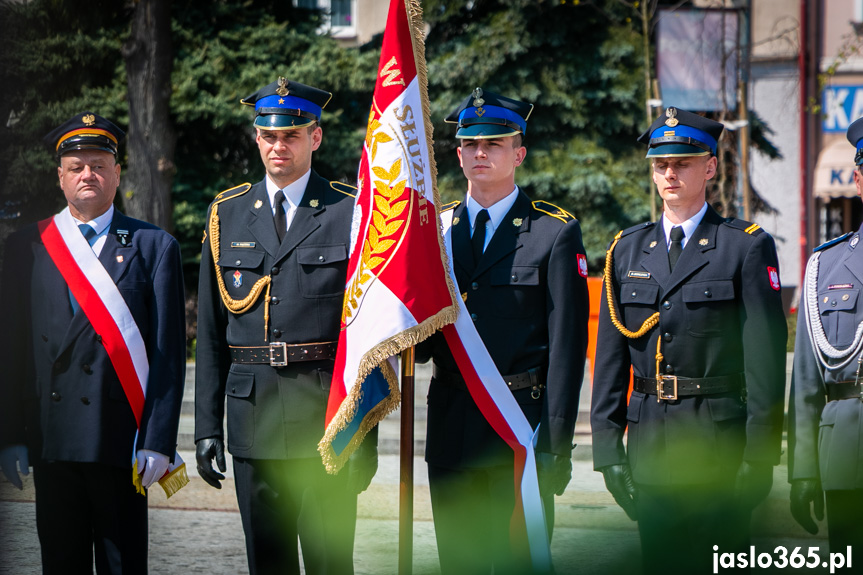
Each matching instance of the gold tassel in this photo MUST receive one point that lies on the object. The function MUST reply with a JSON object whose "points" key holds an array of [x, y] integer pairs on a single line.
{"points": [[174, 480], [136, 479]]}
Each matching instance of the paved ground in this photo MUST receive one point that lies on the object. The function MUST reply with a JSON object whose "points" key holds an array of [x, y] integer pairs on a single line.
{"points": [[199, 531]]}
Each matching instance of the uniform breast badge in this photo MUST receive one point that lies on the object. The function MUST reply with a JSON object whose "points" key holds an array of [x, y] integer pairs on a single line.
{"points": [[238, 279]]}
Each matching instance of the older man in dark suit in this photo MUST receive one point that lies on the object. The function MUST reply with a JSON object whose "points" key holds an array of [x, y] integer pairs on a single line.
{"points": [[93, 356]]}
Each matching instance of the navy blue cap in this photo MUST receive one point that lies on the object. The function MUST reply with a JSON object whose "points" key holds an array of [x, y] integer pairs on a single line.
{"points": [[285, 105], [85, 131], [855, 136], [681, 133], [485, 115]]}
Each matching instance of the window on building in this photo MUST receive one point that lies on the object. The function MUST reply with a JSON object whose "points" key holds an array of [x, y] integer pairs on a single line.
{"points": [[340, 15]]}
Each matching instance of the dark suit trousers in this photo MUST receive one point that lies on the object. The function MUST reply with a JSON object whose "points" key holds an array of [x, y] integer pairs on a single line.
{"points": [[85, 506], [679, 525], [282, 501], [845, 521], [472, 510]]}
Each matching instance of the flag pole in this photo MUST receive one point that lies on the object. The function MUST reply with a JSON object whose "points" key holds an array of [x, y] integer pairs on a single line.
{"points": [[406, 466]]}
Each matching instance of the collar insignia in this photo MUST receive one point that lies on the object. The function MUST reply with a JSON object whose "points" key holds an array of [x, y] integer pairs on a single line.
{"points": [[517, 222], [258, 204], [314, 203], [455, 221], [652, 244], [703, 242], [854, 241]]}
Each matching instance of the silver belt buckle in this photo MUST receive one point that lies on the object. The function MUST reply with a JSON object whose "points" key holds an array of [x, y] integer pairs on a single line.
{"points": [[277, 348], [660, 387]]}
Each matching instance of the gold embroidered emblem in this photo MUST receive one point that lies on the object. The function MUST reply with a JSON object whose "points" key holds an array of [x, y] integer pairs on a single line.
{"points": [[517, 222], [281, 101], [455, 221], [282, 90], [391, 74], [258, 204], [88, 119], [653, 244], [671, 114], [313, 203], [480, 112], [703, 242]]}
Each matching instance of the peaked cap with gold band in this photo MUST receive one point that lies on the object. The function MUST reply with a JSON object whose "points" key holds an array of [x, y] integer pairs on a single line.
{"points": [[85, 131], [286, 105], [681, 133], [485, 115]]}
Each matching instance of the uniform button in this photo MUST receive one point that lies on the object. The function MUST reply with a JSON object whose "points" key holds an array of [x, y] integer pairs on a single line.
{"points": [[86, 368], [85, 401], [275, 271], [708, 293], [321, 258], [667, 336], [669, 369], [514, 277], [474, 317], [274, 300], [44, 337], [277, 332], [98, 338], [666, 304], [633, 294], [474, 286], [238, 262], [233, 390], [55, 396], [833, 303]]}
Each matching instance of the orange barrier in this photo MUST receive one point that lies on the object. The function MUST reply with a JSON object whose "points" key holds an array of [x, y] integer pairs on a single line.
{"points": [[594, 290]]}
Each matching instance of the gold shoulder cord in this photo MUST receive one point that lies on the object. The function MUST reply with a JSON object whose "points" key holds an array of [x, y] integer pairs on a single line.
{"points": [[233, 305], [609, 297]]}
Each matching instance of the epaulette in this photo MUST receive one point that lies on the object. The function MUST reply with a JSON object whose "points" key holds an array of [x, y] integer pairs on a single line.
{"points": [[343, 188], [449, 206], [748, 227], [833, 242], [553, 211], [636, 228], [232, 193]]}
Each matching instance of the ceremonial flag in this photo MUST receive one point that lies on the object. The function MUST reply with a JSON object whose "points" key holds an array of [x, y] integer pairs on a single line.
{"points": [[398, 290]]}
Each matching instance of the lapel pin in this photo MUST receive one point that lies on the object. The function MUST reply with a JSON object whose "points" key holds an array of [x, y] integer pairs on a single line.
{"points": [[703, 242], [314, 203], [258, 204], [119, 259], [517, 222], [653, 244], [854, 241], [455, 221]]}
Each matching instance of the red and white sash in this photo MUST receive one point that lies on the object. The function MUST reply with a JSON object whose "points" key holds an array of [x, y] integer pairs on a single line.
{"points": [[501, 410], [105, 308]]}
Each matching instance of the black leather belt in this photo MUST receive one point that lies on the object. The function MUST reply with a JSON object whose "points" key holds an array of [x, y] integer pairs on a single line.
{"points": [[280, 354], [673, 387], [844, 390], [532, 378]]}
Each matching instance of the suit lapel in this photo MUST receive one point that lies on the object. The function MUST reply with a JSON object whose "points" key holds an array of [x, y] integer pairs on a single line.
{"points": [[261, 223], [505, 239], [305, 219], [461, 250], [655, 259], [694, 255]]}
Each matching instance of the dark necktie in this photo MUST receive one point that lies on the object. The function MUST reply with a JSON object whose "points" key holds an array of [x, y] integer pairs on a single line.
{"points": [[90, 235], [676, 248], [279, 216], [477, 242]]}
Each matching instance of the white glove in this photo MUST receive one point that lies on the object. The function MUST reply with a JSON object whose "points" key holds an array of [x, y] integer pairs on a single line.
{"points": [[8, 457], [151, 466]]}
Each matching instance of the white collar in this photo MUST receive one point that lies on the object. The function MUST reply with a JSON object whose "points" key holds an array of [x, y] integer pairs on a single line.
{"points": [[293, 191], [99, 223], [688, 226], [496, 212]]}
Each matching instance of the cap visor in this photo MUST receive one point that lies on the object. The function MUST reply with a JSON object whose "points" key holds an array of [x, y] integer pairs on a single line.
{"points": [[484, 131], [281, 122], [76, 147], [675, 150]]}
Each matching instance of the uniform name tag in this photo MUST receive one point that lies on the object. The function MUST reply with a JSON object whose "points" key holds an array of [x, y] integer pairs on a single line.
{"points": [[639, 275], [242, 244], [840, 286]]}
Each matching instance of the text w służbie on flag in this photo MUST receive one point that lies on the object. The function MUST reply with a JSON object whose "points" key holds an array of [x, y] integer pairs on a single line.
{"points": [[398, 291]]}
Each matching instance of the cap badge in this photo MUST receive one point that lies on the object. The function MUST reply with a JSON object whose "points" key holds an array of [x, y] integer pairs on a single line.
{"points": [[282, 90], [671, 114], [88, 119], [258, 204], [314, 203], [477, 98], [703, 242], [517, 222]]}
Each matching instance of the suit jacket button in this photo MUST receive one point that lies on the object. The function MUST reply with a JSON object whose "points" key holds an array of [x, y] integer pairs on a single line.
{"points": [[666, 304], [98, 338], [274, 271], [474, 286], [633, 294], [277, 333], [514, 277], [669, 369], [474, 317], [85, 401], [86, 369], [667, 336], [274, 300], [44, 337], [708, 293], [321, 258], [55, 396], [238, 262]]}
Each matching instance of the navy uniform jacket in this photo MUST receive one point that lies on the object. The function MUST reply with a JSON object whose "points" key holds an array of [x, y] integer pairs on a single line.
{"points": [[826, 439], [719, 314], [269, 417], [59, 393], [530, 307]]}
